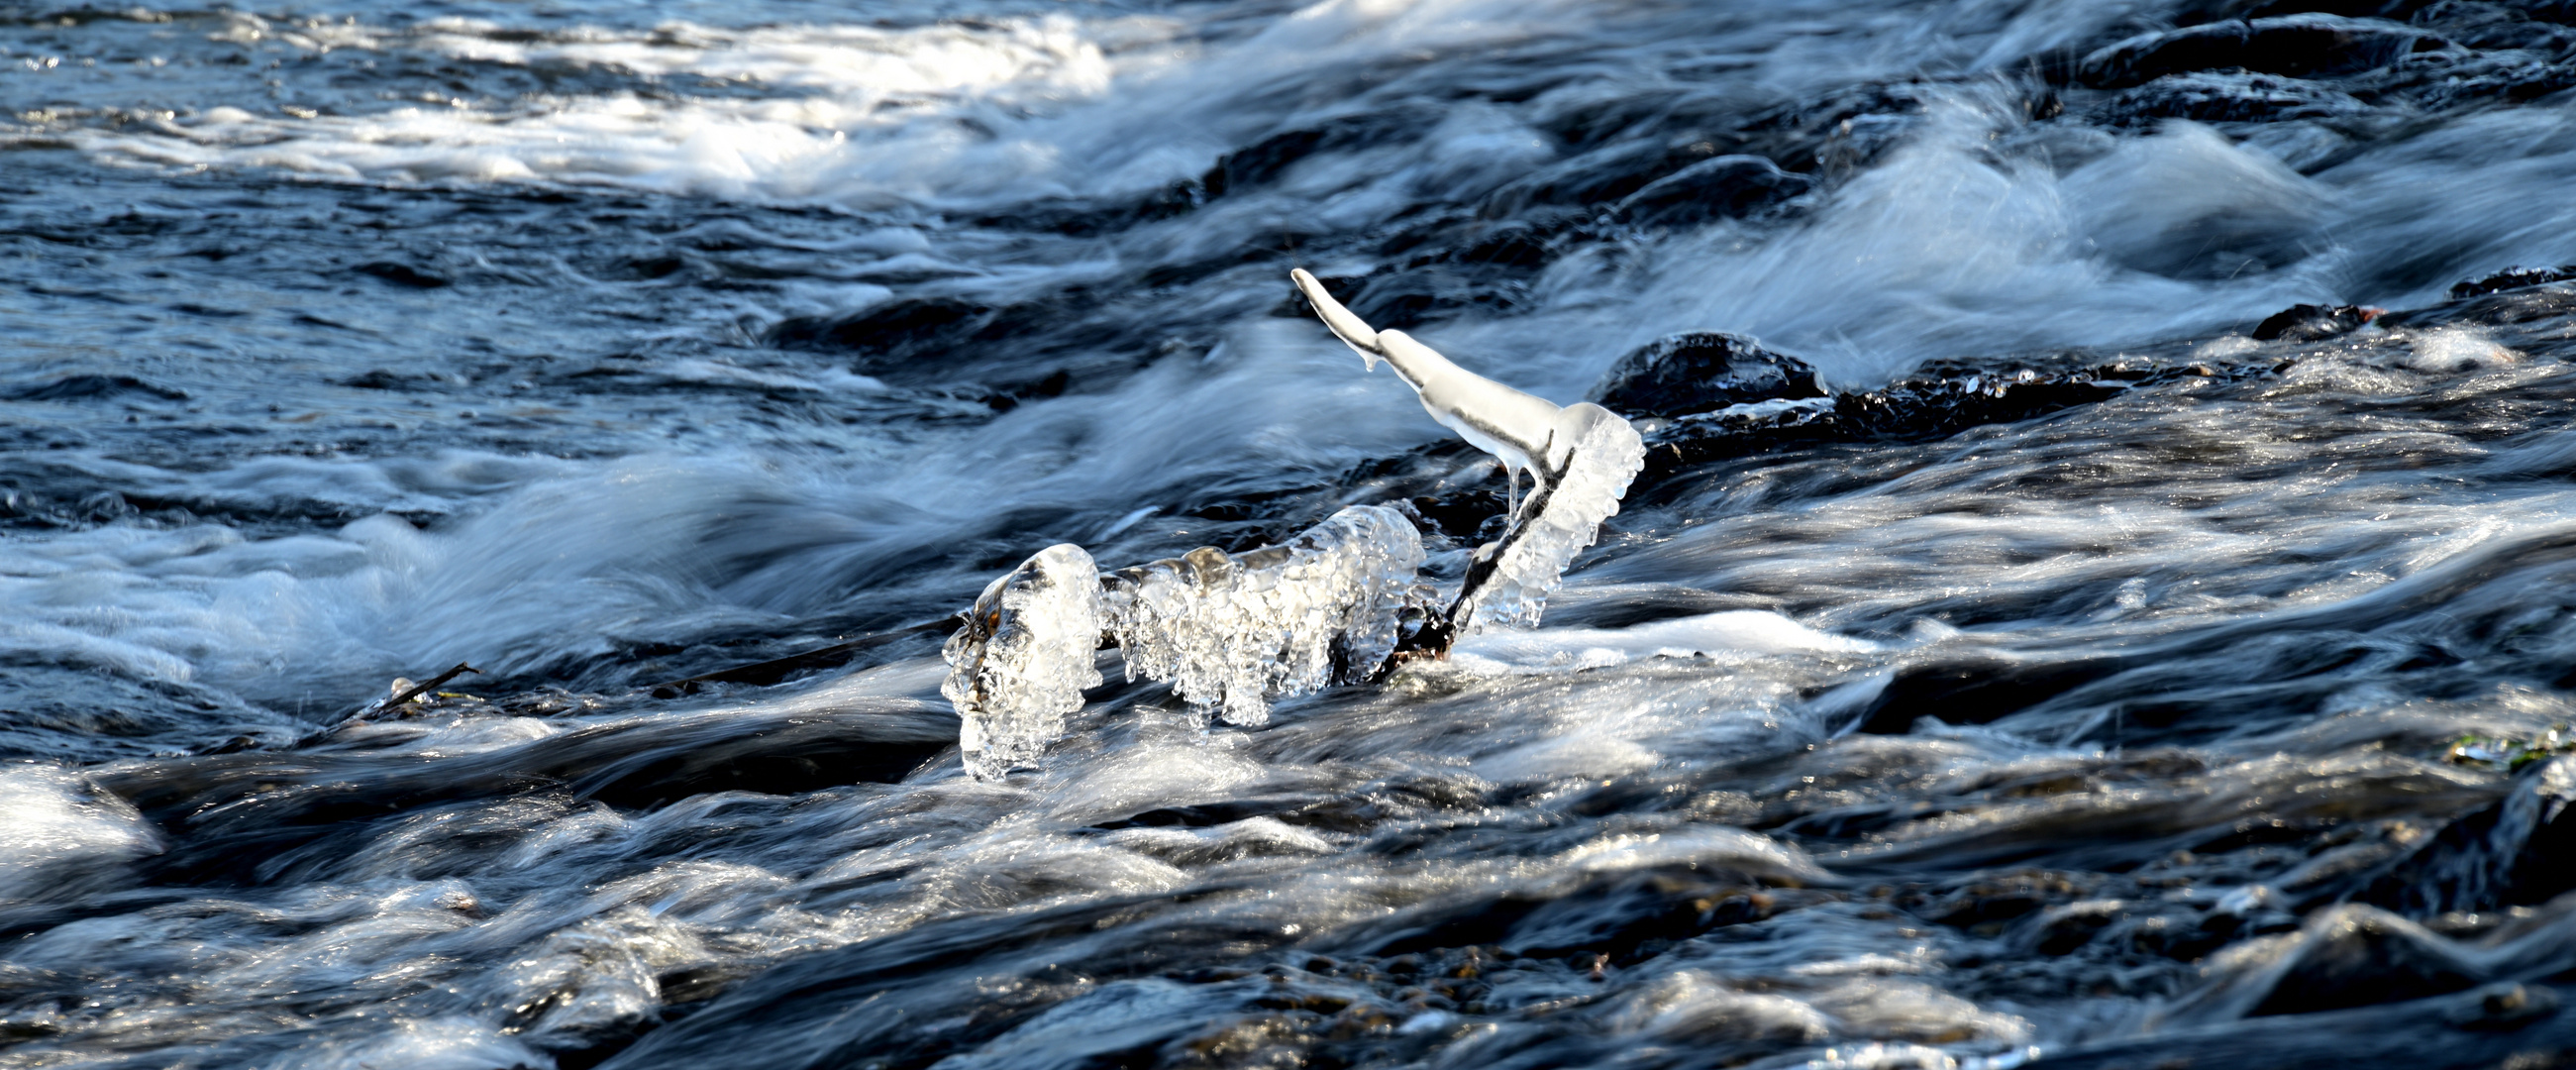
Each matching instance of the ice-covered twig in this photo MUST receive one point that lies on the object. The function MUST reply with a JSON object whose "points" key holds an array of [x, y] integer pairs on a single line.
{"points": [[1580, 457], [404, 691], [1521, 430], [1232, 631]]}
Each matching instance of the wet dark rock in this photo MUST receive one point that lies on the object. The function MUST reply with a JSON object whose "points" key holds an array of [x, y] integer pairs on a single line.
{"points": [[2308, 323], [2518, 851], [2401, 1035], [90, 386], [1721, 188], [403, 275], [1265, 160], [2294, 45], [2358, 956], [1702, 371], [1513, 244], [2504, 1007], [256, 816], [918, 340], [1939, 399], [2514, 278], [645, 268], [388, 379], [1086, 217], [2545, 301], [1602, 176], [2228, 96], [1624, 918], [1618, 915], [1403, 299], [1986, 906], [1826, 136], [902, 325]]}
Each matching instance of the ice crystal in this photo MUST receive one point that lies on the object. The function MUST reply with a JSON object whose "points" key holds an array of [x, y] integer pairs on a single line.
{"points": [[1020, 663], [1230, 631]]}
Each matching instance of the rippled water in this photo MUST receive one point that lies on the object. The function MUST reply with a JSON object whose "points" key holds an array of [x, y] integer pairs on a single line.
{"points": [[2078, 685]]}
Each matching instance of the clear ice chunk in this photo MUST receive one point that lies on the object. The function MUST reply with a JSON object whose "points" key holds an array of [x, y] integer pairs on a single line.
{"points": [[1229, 632], [1022, 660]]}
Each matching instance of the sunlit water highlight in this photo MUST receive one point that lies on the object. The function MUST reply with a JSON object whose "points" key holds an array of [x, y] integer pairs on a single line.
{"points": [[601, 346]]}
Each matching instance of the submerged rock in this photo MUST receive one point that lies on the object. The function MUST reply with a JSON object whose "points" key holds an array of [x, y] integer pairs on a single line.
{"points": [[1720, 188], [2293, 45], [2228, 96], [2518, 851], [2307, 323], [2513, 278], [1702, 371]]}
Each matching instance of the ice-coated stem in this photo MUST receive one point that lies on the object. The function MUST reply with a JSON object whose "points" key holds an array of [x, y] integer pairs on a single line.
{"points": [[1232, 631], [1580, 458], [1516, 428]]}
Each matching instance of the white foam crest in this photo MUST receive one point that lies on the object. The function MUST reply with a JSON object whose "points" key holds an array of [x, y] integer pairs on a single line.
{"points": [[2455, 349], [51, 819], [1277, 399], [329, 617], [2494, 168], [948, 114], [452, 1042], [587, 553], [1945, 248], [1730, 636], [1691, 1004], [1052, 54]]}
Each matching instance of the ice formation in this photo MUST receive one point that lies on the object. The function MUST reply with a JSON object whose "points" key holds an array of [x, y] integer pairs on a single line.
{"points": [[1512, 576], [1021, 662], [1580, 458], [1231, 631]]}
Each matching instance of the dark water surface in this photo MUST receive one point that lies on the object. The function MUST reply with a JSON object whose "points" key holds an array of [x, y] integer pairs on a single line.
{"points": [[2077, 684]]}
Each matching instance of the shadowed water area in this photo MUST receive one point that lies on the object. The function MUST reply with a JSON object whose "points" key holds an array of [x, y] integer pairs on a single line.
{"points": [[2022, 647]]}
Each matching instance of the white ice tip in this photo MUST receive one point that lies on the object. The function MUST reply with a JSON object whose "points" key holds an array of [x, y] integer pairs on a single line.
{"points": [[1348, 327]]}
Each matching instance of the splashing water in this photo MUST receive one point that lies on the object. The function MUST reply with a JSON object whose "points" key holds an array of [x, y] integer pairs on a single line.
{"points": [[2010, 651]]}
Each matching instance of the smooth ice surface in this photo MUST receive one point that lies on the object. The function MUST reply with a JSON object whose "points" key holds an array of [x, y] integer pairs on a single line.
{"points": [[1524, 431], [1229, 632], [1021, 662]]}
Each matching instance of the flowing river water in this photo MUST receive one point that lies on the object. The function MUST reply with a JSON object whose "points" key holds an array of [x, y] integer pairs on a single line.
{"points": [[2077, 684]]}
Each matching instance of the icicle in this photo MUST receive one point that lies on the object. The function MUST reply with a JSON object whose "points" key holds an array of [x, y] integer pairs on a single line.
{"points": [[1513, 576]]}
